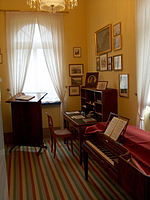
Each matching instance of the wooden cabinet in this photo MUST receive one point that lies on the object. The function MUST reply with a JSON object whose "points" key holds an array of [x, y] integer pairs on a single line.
{"points": [[99, 103]]}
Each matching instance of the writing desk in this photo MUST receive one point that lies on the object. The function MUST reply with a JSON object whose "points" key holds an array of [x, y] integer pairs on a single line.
{"points": [[71, 121], [27, 120]]}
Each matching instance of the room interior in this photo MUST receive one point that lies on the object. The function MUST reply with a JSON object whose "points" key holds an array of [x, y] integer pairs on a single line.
{"points": [[80, 26]]}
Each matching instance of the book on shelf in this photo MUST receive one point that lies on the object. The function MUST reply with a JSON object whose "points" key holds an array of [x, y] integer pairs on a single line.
{"points": [[88, 120], [115, 127], [24, 97], [77, 117]]}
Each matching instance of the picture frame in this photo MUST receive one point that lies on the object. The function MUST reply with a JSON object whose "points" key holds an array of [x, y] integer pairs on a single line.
{"points": [[1, 58], [102, 85], [74, 91], [76, 81], [103, 40], [76, 70], [97, 63], [117, 29], [109, 63], [91, 79], [117, 62], [124, 85], [117, 42], [103, 62], [76, 52]]}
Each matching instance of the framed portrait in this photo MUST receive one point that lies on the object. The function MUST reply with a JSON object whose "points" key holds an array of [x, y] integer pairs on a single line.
{"points": [[97, 63], [103, 40], [124, 85], [76, 69], [103, 62], [117, 62], [102, 85], [109, 63], [77, 52], [117, 29], [117, 42], [91, 79], [76, 81], [74, 91]]}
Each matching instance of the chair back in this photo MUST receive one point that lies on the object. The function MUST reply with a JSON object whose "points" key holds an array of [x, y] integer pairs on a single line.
{"points": [[50, 123]]}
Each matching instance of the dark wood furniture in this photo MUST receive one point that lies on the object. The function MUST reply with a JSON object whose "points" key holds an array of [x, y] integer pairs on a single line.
{"points": [[64, 134], [99, 102], [118, 164], [27, 121], [77, 126]]}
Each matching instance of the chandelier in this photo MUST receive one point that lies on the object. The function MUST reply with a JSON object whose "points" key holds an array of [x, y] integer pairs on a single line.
{"points": [[52, 5]]}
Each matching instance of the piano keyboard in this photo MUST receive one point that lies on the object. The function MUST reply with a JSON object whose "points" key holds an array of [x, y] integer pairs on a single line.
{"points": [[103, 152]]}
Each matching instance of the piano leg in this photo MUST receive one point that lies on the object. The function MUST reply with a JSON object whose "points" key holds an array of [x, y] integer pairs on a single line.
{"points": [[85, 159]]}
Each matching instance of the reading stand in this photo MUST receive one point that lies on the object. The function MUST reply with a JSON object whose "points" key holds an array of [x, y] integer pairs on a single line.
{"points": [[27, 120]]}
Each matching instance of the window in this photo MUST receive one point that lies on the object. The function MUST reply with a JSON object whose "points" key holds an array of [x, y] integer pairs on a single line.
{"points": [[37, 78]]}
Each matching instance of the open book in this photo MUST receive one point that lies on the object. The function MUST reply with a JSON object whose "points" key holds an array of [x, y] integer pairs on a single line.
{"points": [[115, 127], [24, 97]]}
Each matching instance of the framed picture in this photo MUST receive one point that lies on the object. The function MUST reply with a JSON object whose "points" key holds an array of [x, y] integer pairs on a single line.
{"points": [[76, 81], [117, 62], [103, 62], [102, 85], [103, 40], [75, 69], [74, 90], [117, 42], [1, 58], [77, 52], [91, 79], [124, 85], [109, 63], [97, 63], [117, 29]]}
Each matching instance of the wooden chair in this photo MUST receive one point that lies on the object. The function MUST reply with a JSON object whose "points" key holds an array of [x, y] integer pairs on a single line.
{"points": [[59, 133]]}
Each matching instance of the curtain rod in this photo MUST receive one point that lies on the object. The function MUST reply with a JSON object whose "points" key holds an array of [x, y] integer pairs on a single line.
{"points": [[13, 10]]}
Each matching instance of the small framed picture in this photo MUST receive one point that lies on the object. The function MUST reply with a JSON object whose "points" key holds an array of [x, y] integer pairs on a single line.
{"points": [[77, 52], [91, 79], [1, 58], [109, 63], [117, 62], [117, 42], [76, 69], [74, 91], [97, 63], [103, 62], [76, 81], [117, 29], [102, 85], [124, 85]]}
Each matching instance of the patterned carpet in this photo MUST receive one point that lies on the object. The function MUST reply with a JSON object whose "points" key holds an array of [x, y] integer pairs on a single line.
{"points": [[33, 177]]}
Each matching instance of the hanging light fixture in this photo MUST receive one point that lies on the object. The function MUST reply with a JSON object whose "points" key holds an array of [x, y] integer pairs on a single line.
{"points": [[52, 5]]}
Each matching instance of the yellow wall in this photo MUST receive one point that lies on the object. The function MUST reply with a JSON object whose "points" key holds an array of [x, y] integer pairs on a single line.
{"points": [[80, 25], [99, 14]]}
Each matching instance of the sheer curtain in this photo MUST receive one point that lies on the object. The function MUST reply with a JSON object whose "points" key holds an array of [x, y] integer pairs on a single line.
{"points": [[53, 44], [143, 58], [19, 44]]}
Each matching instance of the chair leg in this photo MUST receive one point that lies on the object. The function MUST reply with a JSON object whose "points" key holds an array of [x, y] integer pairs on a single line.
{"points": [[52, 144], [54, 148]]}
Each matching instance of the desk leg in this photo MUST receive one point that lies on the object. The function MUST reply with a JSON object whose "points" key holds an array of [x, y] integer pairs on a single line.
{"points": [[85, 159]]}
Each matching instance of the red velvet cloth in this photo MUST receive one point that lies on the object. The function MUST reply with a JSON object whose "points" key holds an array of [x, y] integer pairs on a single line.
{"points": [[137, 141], [99, 127]]}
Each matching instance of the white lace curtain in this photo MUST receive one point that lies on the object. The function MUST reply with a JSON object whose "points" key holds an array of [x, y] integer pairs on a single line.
{"points": [[51, 29], [143, 58]]}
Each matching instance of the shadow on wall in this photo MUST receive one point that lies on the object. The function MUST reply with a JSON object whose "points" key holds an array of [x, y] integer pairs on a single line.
{"points": [[147, 119]]}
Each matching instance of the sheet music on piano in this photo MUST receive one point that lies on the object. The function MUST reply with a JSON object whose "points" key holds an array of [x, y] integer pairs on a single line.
{"points": [[115, 127]]}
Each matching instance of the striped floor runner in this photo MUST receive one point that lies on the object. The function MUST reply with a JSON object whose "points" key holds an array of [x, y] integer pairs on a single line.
{"points": [[33, 177]]}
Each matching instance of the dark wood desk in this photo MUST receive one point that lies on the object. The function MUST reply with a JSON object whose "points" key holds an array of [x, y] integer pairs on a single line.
{"points": [[27, 121], [78, 125]]}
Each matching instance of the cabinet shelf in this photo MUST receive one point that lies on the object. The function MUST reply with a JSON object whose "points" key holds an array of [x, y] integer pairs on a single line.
{"points": [[100, 102]]}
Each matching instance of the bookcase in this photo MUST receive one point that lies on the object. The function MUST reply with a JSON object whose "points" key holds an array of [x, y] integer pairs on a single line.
{"points": [[99, 103]]}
